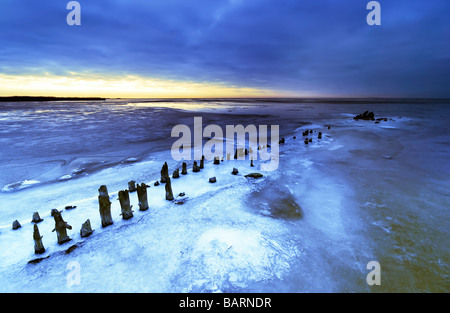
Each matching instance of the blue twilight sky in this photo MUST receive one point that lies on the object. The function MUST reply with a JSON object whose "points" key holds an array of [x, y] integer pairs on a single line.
{"points": [[287, 47]]}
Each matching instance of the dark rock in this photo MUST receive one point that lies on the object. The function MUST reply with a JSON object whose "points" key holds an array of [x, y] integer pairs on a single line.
{"points": [[181, 194], [235, 171], [70, 207], [212, 180], [367, 116], [71, 249], [319, 135], [124, 199], [281, 141], [310, 139], [254, 175], [38, 260], [216, 160], [156, 183], [38, 245], [306, 141], [86, 229], [36, 218], [61, 227], [16, 225]]}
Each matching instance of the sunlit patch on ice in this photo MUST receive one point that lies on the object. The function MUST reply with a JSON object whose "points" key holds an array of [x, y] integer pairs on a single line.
{"points": [[19, 185]]}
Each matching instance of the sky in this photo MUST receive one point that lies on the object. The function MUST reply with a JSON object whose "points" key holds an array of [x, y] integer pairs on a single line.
{"points": [[225, 48]]}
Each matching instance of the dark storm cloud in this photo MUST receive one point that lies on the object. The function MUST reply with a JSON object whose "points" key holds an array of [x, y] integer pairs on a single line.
{"points": [[322, 47]]}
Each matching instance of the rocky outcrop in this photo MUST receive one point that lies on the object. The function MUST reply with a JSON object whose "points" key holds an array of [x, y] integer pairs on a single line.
{"points": [[367, 116]]}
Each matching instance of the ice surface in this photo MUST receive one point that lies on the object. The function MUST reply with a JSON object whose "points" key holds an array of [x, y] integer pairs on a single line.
{"points": [[364, 192]]}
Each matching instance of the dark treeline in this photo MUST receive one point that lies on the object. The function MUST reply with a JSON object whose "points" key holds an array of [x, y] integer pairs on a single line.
{"points": [[27, 98]]}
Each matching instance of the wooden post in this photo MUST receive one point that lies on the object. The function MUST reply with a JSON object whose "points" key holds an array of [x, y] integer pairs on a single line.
{"points": [[176, 173], [38, 245], [169, 193], [86, 229], [132, 186], [235, 171], [184, 169], [105, 206], [164, 173], [61, 227], [320, 135], [142, 197], [202, 162], [251, 162], [195, 167], [216, 160], [124, 199]]}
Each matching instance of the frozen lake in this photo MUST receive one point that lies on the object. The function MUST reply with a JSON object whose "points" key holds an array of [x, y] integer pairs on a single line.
{"points": [[364, 192]]}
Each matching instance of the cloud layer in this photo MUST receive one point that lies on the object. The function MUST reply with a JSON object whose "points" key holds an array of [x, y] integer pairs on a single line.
{"points": [[302, 47]]}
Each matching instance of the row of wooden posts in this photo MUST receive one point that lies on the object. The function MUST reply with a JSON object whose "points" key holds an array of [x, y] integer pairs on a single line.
{"points": [[124, 198]]}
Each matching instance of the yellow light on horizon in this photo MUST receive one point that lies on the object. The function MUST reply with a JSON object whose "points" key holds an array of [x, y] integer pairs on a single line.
{"points": [[129, 86]]}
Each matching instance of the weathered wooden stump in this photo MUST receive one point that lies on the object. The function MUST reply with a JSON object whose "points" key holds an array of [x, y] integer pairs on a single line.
{"points": [[132, 186], [86, 229], [16, 225], [164, 173], [235, 171], [306, 141], [176, 173], [195, 167], [38, 245], [216, 160], [104, 206], [36, 218], [124, 199], [202, 162], [319, 135], [281, 141], [61, 227], [142, 197], [310, 139], [251, 163], [184, 169], [169, 193], [212, 180]]}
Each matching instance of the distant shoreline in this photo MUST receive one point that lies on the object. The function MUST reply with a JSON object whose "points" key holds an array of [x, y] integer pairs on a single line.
{"points": [[354, 100], [42, 99]]}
